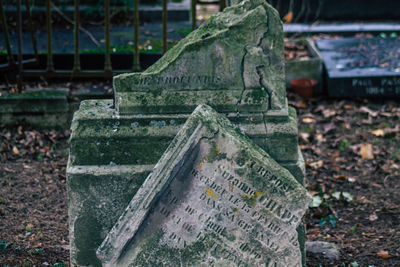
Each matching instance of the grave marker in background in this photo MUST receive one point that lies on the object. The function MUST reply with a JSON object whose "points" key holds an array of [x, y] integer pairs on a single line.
{"points": [[362, 67]]}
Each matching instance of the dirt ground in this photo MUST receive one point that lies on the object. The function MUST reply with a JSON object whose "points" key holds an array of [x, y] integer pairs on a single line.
{"points": [[352, 153]]}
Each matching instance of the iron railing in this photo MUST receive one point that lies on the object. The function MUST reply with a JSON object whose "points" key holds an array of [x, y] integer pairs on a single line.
{"points": [[77, 71]]}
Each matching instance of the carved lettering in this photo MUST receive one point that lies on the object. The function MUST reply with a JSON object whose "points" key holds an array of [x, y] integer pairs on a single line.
{"points": [[190, 210], [361, 82], [165, 212], [215, 227], [164, 80], [245, 188], [275, 181], [245, 247]]}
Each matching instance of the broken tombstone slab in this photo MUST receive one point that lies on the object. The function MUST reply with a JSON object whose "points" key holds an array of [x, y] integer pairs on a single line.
{"points": [[214, 198], [114, 147], [234, 62]]}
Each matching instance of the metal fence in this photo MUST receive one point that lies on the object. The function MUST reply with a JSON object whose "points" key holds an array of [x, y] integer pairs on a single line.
{"points": [[20, 64]]}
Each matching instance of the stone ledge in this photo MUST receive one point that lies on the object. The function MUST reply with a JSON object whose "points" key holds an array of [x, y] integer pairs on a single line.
{"points": [[34, 102], [97, 196], [99, 137]]}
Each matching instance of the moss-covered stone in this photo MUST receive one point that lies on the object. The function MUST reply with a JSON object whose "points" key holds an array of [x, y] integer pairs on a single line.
{"points": [[209, 169], [97, 197], [42, 109], [232, 62], [101, 137], [42, 101]]}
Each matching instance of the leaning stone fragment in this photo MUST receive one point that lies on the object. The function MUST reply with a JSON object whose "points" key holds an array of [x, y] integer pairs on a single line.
{"points": [[233, 62], [213, 199]]}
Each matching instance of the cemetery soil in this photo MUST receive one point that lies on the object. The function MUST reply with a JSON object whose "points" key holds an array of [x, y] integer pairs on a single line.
{"points": [[352, 153]]}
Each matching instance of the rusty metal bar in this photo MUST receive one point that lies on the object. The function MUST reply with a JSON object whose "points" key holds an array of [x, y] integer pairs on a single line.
{"points": [[89, 74], [20, 66], [193, 12], [50, 65], [222, 5], [30, 21], [165, 18], [10, 57], [107, 63], [136, 64], [77, 63], [207, 3], [8, 68]]}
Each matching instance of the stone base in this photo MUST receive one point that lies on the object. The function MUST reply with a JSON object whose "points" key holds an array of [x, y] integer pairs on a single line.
{"points": [[97, 197], [43, 109], [111, 156]]}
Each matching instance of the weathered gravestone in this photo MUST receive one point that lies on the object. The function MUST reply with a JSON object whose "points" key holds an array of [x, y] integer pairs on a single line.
{"points": [[233, 62], [361, 67], [213, 199]]}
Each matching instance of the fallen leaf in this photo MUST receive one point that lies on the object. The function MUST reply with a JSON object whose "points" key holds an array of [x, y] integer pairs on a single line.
{"points": [[395, 166], [347, 107], [389, 132], [373, 217], [335, 155], [327, 113], [304, 136], [340, 176], [319, 137], [383, 254], [15, 150], [313, 193], [316, 202], [301, 104], [9, 170], [336, 195], [328, 127], [288, 17], [386, 114], [369, 111], [29, 227], [378, 132], [366, 151], [351, 179], [314, 231], [308, 119], [347, 196], [376, 185], [364, 200], [317, 164], [26, 166]]}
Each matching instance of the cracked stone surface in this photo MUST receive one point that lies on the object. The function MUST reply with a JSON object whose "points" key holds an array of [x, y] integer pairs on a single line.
{"points": [[213, 199], [233, 62]]}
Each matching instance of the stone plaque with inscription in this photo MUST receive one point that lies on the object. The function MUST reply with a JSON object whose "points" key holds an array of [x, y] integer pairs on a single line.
{"points": [[362, 67], [213, 199]]}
